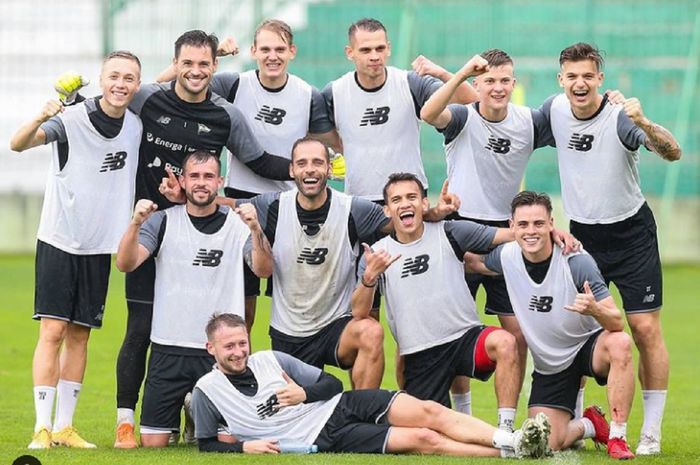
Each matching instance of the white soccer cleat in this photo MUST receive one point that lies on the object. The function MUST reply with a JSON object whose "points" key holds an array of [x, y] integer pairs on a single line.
{"points": [[188, 431], [649, 445], [532, 439]]}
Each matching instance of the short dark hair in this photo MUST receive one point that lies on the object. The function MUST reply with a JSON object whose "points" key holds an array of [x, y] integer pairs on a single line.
{"points": [[527, 198], [582, 51], [201, 156], [307, 139], [125, 54], [277, 26], [197, 38], [496, 57], [400, 177], [217, 320], [366, 24]]}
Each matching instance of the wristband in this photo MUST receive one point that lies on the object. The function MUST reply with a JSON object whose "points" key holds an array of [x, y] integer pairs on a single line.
{"points": [[364, 283]]}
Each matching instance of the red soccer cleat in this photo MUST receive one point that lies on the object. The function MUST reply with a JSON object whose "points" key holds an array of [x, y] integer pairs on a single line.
{"points": [[619, 450], [600, 424]]}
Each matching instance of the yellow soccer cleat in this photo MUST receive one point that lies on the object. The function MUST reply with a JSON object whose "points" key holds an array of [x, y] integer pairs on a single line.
{"points": [[68, 85], [69, 437], [337, 165], [41, 439], [126, 438]]}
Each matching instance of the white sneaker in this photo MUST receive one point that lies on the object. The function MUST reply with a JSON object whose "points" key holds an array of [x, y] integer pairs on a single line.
{"points": [[532, 439], [649, 445]]}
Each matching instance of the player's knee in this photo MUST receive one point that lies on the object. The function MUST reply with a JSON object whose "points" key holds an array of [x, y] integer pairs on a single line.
{"points": [[371, 334], [432, 409], [428, 441], [505, 346], [77, 335], [52, 332], [646, 333], [619, 347]]}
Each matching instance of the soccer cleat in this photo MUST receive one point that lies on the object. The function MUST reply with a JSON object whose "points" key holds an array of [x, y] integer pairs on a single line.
{"points": [[532, 439], [41, 439], [648, 445], [68, 85], [174, 438], [337, 165], [619, 450], [126, 438], [600, 424], [69, 437], [188, 432]]}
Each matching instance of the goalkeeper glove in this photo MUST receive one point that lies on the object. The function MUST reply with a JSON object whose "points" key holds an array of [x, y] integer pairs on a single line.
{"points": [[67, 85], [337, 165]]}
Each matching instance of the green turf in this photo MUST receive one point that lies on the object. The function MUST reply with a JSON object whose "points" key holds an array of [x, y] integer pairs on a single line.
{"points": [[96, 410]]}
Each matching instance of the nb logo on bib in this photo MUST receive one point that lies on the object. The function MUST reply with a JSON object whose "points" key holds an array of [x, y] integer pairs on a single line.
{"points": [[271, 115], [498, 145], [374, 117], [312, 256], [208, 257], [113, 162], [581, 142], [415, 265], [541, 303]]}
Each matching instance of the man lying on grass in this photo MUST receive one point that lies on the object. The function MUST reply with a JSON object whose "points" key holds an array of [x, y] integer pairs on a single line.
{"points": [[271, 397]]}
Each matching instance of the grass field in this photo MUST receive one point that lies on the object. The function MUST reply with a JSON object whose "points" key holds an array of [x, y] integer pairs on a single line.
{"points": [[95, 416]]}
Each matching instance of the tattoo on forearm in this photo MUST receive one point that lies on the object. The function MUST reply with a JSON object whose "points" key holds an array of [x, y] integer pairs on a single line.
{"points": [[661, 141]]}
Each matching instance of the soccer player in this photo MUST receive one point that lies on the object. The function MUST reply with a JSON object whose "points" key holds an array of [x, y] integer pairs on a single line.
{"points": [[314, 232], [279, 108], [487, 145], [199, 250], [597, 147], [449, 340], [571, 325], [87, 204], [376, 110], [270, 398]]}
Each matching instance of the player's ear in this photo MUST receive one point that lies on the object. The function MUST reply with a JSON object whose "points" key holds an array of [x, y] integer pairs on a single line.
{"points": [[348, 52], [601, 76], [210, 348], [387, 213], [388, 48], [215, 64], [292, 51], [560, 78], [291, 172]]}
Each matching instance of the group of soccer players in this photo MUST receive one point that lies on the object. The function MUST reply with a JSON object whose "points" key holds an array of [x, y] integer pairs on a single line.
{"points": [[189, 253]]}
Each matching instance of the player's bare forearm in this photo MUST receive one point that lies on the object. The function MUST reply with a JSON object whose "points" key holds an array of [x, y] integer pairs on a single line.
{"points": [[331, 139], [661, 141], [167, 75], [475, 263], [128, 252], [435, 112], [262, 254], [608, 315], [465, 94], [28, 136], [361, 302]]}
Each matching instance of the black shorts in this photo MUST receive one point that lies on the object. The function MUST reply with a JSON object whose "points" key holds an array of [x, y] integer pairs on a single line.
{"points": [[318, 350], [139, 284], [497, 300], [359, 423], [70, 287], [251, 280], [627, 254], [559, 390], [172, 373], [429, 373]]}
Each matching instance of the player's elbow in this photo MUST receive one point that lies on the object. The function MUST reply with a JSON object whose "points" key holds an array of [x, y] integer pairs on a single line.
{"points": [[124, 264], [16, 146], [428, 116], [674, 154]]}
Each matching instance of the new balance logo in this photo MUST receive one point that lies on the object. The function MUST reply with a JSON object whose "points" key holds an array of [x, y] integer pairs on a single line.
{"points": [[271, 115], [498, 145], [649, 298], [312, 256], [373, 117], [541, 303], [415, 265], [208, 257], [581, 142], [113, 162]]}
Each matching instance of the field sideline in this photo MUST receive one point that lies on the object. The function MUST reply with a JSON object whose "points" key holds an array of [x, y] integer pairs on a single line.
{"points": [[95, 415]]}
